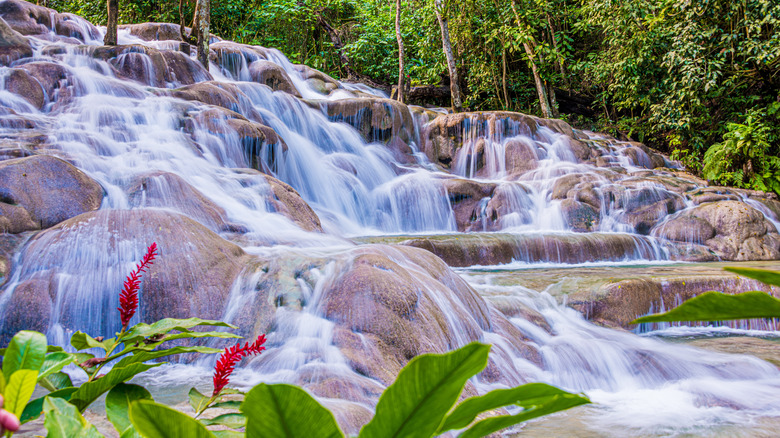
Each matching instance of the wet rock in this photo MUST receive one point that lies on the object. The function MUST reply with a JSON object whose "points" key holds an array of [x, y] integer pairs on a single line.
{"points": [[50, 77], [741, 231], [494, 249], [466, 197], [376, 119], [289, 203], [29, 19], [12, 44], [616, 304], [26, 86], [319, 80], [150, 66], [41, 191], [447, 133], [155, 31], [521, 157], [211, 93], [192, 276], [162, 189], [579, 216], [272, 75], [507, 207], [29, 308], [686, 229]]}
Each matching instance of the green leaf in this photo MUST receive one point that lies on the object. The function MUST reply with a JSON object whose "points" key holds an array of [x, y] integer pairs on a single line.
{"points": [[56, 381], [715, 306], [63, 420], [286, 411], [538, 399], [2, 383], [83, 341], [198, 401], [34, 409], [762, 275], [53, 363], [118, 404], [141, 356], [18, 390], [228, 434], [153, 420], [233, 421], [425, 390], [90, 391], [26, 351], [163, 326], [229, 404]]}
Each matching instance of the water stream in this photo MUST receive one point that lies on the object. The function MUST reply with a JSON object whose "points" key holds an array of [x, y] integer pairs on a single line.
{"points": [[156, 152]]}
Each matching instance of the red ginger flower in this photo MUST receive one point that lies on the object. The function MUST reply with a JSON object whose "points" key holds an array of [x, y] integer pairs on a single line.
{"points": [[229, 358], [128, 298]]}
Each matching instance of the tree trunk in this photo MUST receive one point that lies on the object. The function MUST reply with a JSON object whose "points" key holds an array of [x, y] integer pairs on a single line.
{"points": [[541, 90], [401, 75], [457, 106], [503, 76], [113, 9], [203, 19], [338, 45], [189, 39]]}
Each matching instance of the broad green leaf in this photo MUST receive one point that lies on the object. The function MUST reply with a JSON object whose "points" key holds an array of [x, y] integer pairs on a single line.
{"points": [[233, 421], [286, 411], [34, 408], [153, 420], [53, 363], [715, 306], [118, 404], [425, 390], [544, 406], [163, 326], [536, 398], [141, 356], [2, 383], [762, 275], [63, 420], [18, 390], [228, 434], [83, 341], [56, 381], [198, 401], [90, 391], [229, 404], [26, 351]]}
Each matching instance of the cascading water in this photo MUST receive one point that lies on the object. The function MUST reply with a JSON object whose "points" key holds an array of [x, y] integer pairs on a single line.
{"points": [[222, 170]]}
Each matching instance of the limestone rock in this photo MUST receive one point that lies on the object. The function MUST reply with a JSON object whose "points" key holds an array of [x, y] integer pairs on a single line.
{"points": [[41, 191]]}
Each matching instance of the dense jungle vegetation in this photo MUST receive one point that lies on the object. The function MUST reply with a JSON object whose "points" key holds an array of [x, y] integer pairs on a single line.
{"points": [[697, 79]]}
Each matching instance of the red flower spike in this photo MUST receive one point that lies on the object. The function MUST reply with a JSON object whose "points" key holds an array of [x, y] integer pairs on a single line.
{"points": [[229, 358], [128, 298]]}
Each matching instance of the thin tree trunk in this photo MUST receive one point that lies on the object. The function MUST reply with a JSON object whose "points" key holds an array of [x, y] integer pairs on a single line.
{"points": [[541, 90], [338, 45], [401, 75], [189, 39], [457, 106], [203, 21], [113, 9], [558, 62], [503, 77]]}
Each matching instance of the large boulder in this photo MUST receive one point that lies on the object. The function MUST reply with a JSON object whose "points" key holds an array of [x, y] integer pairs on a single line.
{"points": [[286, 201], [155, 31], [150, 66], [272, 75], [12, 44], [22, 83], [731, 229], [41, 191], [466, 198], [80, 265], [29, 19]]}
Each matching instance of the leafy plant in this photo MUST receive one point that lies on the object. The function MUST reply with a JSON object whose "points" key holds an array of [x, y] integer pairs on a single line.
{"points": [[420, 403]]}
